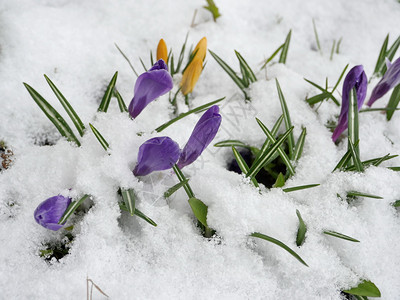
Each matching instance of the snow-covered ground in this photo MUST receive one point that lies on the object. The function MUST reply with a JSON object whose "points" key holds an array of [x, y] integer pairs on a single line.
{"points": [[72, 42]]}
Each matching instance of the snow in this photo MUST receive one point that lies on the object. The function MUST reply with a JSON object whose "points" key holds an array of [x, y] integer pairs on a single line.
{"points": [[73, 43]]}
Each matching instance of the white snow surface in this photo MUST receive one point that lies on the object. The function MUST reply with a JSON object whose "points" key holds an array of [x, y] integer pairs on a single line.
{"points": [[73, 43]]}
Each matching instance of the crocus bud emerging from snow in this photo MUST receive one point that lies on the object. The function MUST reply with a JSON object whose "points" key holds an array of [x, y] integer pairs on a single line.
{"points": [[357, 79], [389, 80], [50, 211], [156, 154], [193, 70], [162, 51], [149, 86], [202, 135]]}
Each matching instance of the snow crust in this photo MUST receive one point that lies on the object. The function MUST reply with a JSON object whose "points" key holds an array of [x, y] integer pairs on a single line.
{"points": [[73, 43]]}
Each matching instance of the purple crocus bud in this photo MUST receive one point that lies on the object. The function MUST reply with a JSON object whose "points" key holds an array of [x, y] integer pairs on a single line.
{"points": [[149, 86], [156, 154], [357, 79], [389, 80], [50, 211], [202, 135]]}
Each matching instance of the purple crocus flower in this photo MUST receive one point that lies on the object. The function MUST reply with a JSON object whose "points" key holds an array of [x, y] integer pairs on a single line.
{"points": [[50, 211], [357, 79], [156, 154], [389, 80], [202, 135], [149, 86]]}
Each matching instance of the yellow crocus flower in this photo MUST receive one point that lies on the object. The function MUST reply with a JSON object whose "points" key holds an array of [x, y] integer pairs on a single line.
{"points": [[193, 70], [162, 51]]}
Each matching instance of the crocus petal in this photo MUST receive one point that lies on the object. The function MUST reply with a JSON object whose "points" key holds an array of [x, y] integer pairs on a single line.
{"points": [[191, 75], [50, 211], [149, 86], [156, 154], [357, 79], [162, 51], [201, 49], [389, 80], [202, 135]]}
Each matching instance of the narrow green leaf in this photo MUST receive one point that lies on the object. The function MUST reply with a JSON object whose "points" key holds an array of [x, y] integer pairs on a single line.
{"points": [[341, 236], [139, 214], [213, 9], [266, 154], [151, 58], [105, 102], [53, 115], [316, 36], [230, 143], [365, 288], [272, 56], [301, 232], [121, 102], [243, 165], [318, 98], [353, 135], [396, 203], [340, 78], [390, 54], [338, 46], [285, 48], [380, 63], [396, 169], [356, 158], [127, 59], [280, 181], [274, 132], [181, 55], [175, 188], [182, 178], [344, 160], [282, 154], [229, 71], [280, 244], [393, 102], [374, 162], [300, 187], [286, 117], [199, 209], [332, 49], [181, 116], [99, 137], [359, 194], [71, 208], [129, 197], [298, 150], [248, 71], [143, 65], [68, 108]]}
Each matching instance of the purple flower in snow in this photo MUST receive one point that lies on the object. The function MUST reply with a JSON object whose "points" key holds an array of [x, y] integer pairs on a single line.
{"points": [[357, 79], [389, 80], [50, 211], [156, 154], [149, 86], [202, 135]]}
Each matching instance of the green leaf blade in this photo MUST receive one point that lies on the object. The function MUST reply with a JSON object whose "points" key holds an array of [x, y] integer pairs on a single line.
{"points": [[71, 208], [129, 197], [302, 230], [199, 209], [99, 137], [340, 236], [105, 102], [365, 288]]}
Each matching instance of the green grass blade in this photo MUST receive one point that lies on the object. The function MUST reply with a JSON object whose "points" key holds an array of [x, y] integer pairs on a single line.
{"points": [[374, 162], [396, 169], [274, 132], [71, 208], [53, 115], [344, 160], [129, 197], [286, 117], [99, 137], [282, 153], [181, 55], [68, 108], [318, 98], [175, 188], [365, 289], [380, 63], [356, 158], [230, 143], [266, 154], [181, 116], [340, 78], [272, 56], [301, 232], [353, 122], [229, 71], [105, 102], [248, 71], [298, 149], [393, 102], [127, 59], [315, 85], [332, 49], [316, 36], [121, 102], [199, 209], [280, 181], [144, 217], [285, 48], [340, 236], [143, 65], [359, 194], [280, 244], [243, 165], [338, 45], [300, 187], [390, 54], [396, 203], [182, 178]]}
